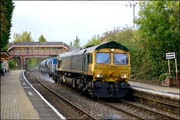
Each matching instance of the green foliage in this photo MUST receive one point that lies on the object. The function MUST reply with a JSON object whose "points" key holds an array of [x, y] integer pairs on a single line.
{"points": [[94, 41], [33, 62], [24, 37], [77, 42], [42, 39], [159, 32], [170, 77], [163, 76], [12, 64], [6, 9], [121, 36]]}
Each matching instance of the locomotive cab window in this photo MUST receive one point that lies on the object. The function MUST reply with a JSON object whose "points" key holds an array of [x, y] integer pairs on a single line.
{"points": [[120, 58], [102, 58]]}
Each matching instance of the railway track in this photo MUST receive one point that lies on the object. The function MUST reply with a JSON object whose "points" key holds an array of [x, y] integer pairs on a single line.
{"points": [[131, 109], [83, 114], [150, 110], [139, 109]]}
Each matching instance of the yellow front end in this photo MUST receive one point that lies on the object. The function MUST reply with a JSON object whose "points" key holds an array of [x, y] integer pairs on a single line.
{"points": [[111, 71]]}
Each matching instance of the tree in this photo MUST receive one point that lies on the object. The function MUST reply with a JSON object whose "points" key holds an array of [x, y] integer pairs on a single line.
{"points": [[12, 63], [42, 39], [159, 30], [94, 41], [6, 9], [71, 44], [24, 37], [77, 42]]}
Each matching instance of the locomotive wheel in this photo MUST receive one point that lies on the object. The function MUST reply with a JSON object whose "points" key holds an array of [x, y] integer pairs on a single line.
{"points": [[55, 78], [92, 95], [74, 84]]}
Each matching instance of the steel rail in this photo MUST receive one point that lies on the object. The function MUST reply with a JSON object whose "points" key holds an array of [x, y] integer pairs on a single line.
{"points": [[64, 99], [136, 116], [152, 111], [160, 102], [126, 112]]}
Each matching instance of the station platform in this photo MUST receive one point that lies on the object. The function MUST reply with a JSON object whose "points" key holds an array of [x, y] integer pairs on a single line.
{"points": [[14, 102], [20, 101], [165, 91]]}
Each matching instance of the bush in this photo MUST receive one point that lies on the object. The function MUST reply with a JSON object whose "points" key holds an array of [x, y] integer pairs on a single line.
{"points": [[171, 77], [12, 64], [163, 76]]}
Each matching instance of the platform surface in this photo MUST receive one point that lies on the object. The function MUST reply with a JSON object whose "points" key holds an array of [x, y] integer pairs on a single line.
{"points": [[161, 90], [15, 104], [45, 112]]}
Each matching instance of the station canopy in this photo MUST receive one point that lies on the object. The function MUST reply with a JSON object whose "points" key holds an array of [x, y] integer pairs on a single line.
{"points": [[4, 55]]}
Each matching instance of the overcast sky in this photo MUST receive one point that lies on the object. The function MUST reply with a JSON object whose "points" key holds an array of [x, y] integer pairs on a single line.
{"points": [[64, 20]]}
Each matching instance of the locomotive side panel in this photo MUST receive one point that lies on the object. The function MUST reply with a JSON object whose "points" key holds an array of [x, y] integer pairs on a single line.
{"points": [[85, 63], [66, 63], [76, 65]]}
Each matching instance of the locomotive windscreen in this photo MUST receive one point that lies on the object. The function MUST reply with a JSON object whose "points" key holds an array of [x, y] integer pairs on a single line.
{"points": [[103, 58], [120, 58]]}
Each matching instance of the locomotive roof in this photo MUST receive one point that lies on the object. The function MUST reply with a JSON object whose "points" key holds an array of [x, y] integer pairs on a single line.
{"points": [[111, 44]]}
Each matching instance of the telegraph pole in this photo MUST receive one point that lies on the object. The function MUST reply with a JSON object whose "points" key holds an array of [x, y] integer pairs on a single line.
{"points": [[133, 5], [134, 14]]}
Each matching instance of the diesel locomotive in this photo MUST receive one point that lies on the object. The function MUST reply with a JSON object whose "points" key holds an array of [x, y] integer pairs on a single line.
{"points": [[102, 70]]}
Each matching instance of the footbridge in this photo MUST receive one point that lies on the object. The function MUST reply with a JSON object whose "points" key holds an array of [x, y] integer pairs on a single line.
{"points": [[25, 50]]}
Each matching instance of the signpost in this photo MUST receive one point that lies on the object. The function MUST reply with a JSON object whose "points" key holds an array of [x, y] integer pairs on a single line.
{"points": [[172, 55]]}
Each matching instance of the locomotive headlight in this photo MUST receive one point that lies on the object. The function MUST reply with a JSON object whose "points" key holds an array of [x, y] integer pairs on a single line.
{"points": [[123, 76], [99, 76], [112, 50]]}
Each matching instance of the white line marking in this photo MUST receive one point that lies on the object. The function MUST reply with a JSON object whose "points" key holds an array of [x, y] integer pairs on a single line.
{"points": [[177, 97], [52, 107], [30, 93]]}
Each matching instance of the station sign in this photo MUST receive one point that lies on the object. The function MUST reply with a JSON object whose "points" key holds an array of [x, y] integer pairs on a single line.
{"points": [[170, 55]]}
